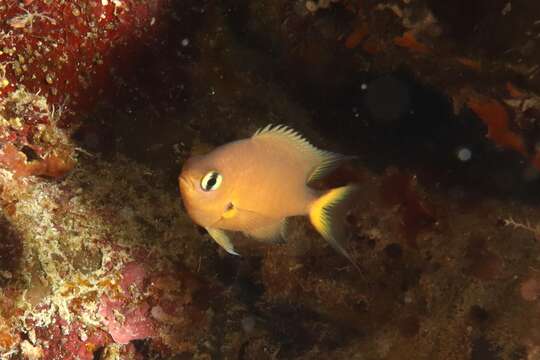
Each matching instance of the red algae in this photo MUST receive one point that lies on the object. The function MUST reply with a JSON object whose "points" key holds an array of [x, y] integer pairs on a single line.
{"points": [[530, 289], [409, 41], [61, 55], [495, 116], [56, 164], [128, 318], [470, 63], [416, 215], [357, 36], [126, 322], [70, 342], [70, 47]]}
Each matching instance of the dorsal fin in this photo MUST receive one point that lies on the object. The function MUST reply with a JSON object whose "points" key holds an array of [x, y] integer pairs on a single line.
{"points": [[326, 161], [293, 137], [331, 161]]}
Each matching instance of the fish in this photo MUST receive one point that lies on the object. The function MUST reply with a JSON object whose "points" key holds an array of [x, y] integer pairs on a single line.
{"points": [[254, 185]]}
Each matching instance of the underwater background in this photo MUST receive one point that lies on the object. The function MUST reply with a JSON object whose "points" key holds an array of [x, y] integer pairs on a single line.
{"points": [[102, 102]]}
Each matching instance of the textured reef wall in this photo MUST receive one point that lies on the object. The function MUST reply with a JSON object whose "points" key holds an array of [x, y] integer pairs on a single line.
{"points": [[102, 101]]}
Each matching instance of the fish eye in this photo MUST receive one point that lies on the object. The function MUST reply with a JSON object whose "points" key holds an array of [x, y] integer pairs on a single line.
{"points": [[211, 181]]}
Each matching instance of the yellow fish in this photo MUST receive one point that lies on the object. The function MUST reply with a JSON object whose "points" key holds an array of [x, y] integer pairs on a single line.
{"points": [[253, 185]]}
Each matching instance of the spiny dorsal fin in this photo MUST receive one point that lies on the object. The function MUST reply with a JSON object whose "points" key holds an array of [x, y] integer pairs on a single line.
{"points": [[289, 134], [326, 161]]}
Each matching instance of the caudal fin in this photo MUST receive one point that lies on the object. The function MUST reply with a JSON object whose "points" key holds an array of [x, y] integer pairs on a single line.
{"points": [[327, 214]]}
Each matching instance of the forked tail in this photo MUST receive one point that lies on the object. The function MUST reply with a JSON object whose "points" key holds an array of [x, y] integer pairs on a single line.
{"points": [[327, 214]]}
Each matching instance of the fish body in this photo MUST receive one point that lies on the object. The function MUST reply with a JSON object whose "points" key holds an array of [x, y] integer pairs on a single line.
{"points": [[253, 185]]}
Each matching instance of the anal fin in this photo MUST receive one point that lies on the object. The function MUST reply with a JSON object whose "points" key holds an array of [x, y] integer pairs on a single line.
{"points": [[273, 233]]}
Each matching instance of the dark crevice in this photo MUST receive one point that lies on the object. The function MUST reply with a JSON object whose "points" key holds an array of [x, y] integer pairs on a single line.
{"points": [[30, 153]]}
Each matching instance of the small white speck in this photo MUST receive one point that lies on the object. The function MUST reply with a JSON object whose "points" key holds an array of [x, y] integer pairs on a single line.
{"points": [[32, 336], [363, 86], [408, 299], [83, 336], [152, 21], [464, 154], [65, 330], [185, 42]]}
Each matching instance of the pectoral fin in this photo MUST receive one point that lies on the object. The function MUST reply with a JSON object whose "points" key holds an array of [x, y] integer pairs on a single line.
{"points": [[231, 212], [222, 239]]}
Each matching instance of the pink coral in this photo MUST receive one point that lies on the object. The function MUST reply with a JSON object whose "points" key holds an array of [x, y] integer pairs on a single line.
{"points": [[530, 288], [133, 274], [124, 322], [127, 319], [70, 345]]}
